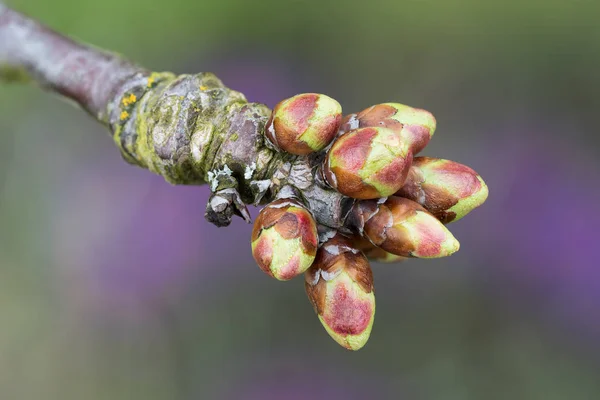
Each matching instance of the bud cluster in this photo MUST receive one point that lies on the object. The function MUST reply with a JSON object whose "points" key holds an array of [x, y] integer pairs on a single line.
{"points": [[402, 205]]}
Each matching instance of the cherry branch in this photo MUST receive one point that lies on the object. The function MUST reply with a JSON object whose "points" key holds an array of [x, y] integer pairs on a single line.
{"points": [[190, 129], [339, 190]]}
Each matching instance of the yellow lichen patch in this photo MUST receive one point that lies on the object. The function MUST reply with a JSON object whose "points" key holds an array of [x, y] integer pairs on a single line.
{"points": [[150, 81], [203, 88], [129, 100], [124, 115]]}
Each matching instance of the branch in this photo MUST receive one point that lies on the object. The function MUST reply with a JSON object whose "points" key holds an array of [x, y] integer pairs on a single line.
{"points": [[190, 129], [339, 191]]}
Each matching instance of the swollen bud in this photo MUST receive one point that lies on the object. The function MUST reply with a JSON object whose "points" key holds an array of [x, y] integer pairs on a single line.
{"points": [[401, 226], [382, 256], [304, 123], [415, 125], [340, 287], [445, 188], [374, 253], [284, 239], [367, 163]]}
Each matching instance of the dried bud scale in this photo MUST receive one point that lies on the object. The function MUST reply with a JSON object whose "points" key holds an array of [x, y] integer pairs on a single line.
{"points": [[284, 239], [445, 188], [304, 123], [340, 287]]}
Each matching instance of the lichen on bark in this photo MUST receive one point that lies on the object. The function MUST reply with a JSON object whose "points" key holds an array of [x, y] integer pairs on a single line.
{"points": [[190, 129]]}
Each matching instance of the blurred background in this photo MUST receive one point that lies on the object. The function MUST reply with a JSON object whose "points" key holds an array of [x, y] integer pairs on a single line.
{"points": [[112, 285]]}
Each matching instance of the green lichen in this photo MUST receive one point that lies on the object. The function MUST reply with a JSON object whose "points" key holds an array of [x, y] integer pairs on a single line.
{"points": [[176, 126]]}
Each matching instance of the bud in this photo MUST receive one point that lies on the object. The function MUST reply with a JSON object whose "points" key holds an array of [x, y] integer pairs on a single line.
{"points": [[415, 125], [340, 287], [374, 253], [382, 256], [401, 226], [284, 239], [445, 188], [304, 123], [367, 163]]}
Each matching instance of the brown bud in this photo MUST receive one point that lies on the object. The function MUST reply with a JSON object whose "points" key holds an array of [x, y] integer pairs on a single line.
{"points": [[304, 123], [375, 253], [340, 287], [367, 163], [401, 226], [445, 188], [416, 126], [284, 239]]}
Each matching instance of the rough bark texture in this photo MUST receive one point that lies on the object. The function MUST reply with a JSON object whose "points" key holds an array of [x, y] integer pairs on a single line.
{"points": [[190, 129]]}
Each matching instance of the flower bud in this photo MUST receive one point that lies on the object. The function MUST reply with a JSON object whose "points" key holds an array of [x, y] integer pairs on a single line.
{"points": [[367, 163], [374, 253], [304, 123], [445, 188], [401, 226], [340, 287], [382, 256], [415, 125], [284, 239]]}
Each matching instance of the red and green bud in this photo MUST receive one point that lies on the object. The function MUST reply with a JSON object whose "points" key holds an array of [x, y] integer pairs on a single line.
{"points": [[340, 287], [367, 163], [304, 123], [415, 125], [382, 256], [374, 253], [284, 239], [445, 188], [402, 227]]}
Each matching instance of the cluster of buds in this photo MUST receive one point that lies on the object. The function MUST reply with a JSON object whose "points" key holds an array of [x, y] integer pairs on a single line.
{"points": [[402, 206]]}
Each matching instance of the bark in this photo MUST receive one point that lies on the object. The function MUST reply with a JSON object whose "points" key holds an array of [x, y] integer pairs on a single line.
{"points": [[190, 129]]}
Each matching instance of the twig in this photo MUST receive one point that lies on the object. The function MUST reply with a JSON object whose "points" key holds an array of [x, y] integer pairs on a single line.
{"points": [[190, 129]]}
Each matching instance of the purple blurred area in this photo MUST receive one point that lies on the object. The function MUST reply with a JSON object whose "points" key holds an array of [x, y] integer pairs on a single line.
{"points": [[112, 285]]}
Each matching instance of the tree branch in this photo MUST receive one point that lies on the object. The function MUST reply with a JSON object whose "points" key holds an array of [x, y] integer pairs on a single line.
{"points": [[190, 129]]}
